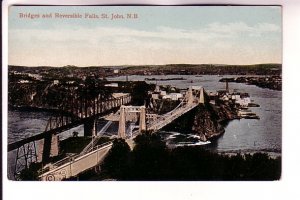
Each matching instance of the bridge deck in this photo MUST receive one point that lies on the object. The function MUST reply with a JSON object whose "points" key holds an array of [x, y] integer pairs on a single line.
{"points": [[90, 158], [171, 116], [67, 169]]}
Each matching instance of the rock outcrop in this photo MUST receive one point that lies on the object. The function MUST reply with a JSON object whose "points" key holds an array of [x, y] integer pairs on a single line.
{"points": [[205, 120]]}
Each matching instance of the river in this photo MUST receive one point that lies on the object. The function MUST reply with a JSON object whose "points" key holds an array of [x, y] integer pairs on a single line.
{"points": [[245, 135]]}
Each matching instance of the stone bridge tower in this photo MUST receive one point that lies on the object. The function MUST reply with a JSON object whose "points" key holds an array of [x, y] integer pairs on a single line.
{"points": [[124, 111]]}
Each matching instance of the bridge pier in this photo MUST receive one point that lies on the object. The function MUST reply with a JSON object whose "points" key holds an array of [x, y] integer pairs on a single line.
{"points": [[126, 114], [47, 148], [190, 96], [89, 127], [80, 109], [143, 119], [122, 128], [201, 99]]}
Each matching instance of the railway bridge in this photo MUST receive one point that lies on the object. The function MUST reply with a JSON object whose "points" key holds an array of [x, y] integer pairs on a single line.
{"points": [[40, 147]]}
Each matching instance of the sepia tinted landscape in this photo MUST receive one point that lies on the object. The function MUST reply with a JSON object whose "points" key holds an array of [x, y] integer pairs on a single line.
{"points": [[127, 93]]}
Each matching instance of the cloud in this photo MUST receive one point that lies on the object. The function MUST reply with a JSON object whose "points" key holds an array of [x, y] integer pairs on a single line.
{"points": [[237, 28], [123, 45], [122, 34], [265, 27]]}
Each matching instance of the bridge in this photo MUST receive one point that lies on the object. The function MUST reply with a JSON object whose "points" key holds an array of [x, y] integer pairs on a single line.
{"points": [[76, 111], [92, 156], [72, 166]]}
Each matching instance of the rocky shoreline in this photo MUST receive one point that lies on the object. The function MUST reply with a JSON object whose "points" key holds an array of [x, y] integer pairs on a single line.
{"points": [[207, 121]]}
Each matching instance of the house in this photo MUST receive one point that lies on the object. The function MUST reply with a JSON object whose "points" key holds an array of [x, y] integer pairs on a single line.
{"points": [[163, 93], [243, 101], [55, 82], [176, 96], [155, 95], [236, 97], [119, 95], [70, 82], [166, 96], [157, 89], [115, 85], [23, 81], [196, 87], [35, 76]]}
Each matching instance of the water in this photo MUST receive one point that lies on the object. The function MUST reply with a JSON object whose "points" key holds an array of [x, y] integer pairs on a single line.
{"points": [[245, 135], [23, 124]]}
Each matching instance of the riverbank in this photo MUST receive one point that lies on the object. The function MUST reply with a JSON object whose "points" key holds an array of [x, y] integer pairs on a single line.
{"points": [[207, 121], [165, 79], [270, 82], [203, 69], [152, 160], [241, 135], [33, 109]]}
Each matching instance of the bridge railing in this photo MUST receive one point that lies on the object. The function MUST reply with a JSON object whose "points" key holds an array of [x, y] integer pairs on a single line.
{"points": [[74, 157], [63, 161], [101, 145], [77, 164], [165, 119]]}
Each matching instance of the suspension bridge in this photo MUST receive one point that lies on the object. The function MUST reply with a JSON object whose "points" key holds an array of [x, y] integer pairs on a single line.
{"points": [[93, 155]]}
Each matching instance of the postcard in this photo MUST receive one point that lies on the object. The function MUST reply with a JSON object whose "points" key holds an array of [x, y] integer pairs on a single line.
{"points": [[144, 93]]}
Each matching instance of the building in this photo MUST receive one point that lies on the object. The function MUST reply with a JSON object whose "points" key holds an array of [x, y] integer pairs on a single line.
{"points": [[157, 88], [176, 96], [243, 101], [70, 82], [35, 76], [23, 81], [119, 94], [115, 85], [163, 93], [55, 82], [196, 87], [155, 95], [166, 96]]}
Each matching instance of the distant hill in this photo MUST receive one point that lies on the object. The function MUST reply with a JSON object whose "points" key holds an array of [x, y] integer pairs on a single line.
{"points": [[209, 69]]}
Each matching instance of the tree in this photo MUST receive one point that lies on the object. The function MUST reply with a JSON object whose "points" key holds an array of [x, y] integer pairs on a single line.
{"points": [[116, 162], [150, 158], [30, 173], [140, 93]]}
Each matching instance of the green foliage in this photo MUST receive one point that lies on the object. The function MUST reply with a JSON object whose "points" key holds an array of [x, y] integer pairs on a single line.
{"points": [[150, 156], [116, 163], [46, 94], [30, 173], [74, 144], [184, 123], [139, 92], [152, 160]]}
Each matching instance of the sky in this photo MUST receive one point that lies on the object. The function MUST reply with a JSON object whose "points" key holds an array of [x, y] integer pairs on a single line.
{"points": [[159, 35]]}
